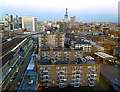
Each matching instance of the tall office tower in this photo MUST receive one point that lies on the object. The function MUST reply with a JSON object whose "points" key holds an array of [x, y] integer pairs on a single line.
{"points": [[66, 16], [29, 23], [7, 17], [51, 40], [73, 20], [11, 18]]}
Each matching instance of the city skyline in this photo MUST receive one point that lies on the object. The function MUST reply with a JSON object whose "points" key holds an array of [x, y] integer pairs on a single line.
{"points": [[52, 10]]}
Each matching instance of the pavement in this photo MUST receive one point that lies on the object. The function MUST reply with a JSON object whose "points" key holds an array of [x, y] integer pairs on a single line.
{"points": [[112, 74]]}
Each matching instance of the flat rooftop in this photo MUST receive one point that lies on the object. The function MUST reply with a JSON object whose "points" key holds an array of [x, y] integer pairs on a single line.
{"points": [[91, 62], [103, 55], [33, 76]]}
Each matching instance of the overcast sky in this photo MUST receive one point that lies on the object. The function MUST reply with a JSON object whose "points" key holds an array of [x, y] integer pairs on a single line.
{"points": [[84, 10]]}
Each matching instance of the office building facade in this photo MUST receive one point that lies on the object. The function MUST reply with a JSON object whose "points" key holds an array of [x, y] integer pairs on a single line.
{"points": [[29, 23]]}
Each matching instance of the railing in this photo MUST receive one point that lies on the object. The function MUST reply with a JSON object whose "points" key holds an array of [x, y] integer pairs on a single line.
{"points": [[91, 85], [45, 71]]}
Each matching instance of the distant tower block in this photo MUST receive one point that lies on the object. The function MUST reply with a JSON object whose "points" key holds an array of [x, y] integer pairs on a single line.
{"points": [[66, 15], [7, 17]]}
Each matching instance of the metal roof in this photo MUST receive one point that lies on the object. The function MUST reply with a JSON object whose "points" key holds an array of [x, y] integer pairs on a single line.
{"points": [[7, 57], [89, 57], [103, 55], [91, 62]]}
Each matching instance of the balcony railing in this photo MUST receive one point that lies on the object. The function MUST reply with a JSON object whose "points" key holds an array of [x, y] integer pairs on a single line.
{"points": [[93, 70], [93, 74], [93, 78], [63, 79], [91, 85], [61, 75], [77, 71], [45, 71], [46, 80], [92, 82], [76, 86], [61, 71], [62, 83], [77, 82], [79, 79]]}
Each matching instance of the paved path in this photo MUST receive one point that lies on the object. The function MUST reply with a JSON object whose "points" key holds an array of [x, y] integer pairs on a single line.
{"points": [[112, 74]]}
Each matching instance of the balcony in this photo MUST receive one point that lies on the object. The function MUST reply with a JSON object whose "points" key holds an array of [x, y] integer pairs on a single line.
{"points": [[93, 74], [62, 71], [77, 82], [72, 83], [46, 80], [73, 79], [91, 85], [78, 79], [45, 71], [63, 79], [62, 75], [61, 83], [77, 71], [93, 78], [88, 78], [92, 82], [93, 70], [45, 75], [78, 75], [76, 86]]}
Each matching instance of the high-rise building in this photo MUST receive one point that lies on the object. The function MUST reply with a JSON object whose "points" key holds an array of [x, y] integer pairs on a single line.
{"points": [[7, 17], [51, 40], [11, 18], [74, 73], [72, 20], [29, 23]]}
